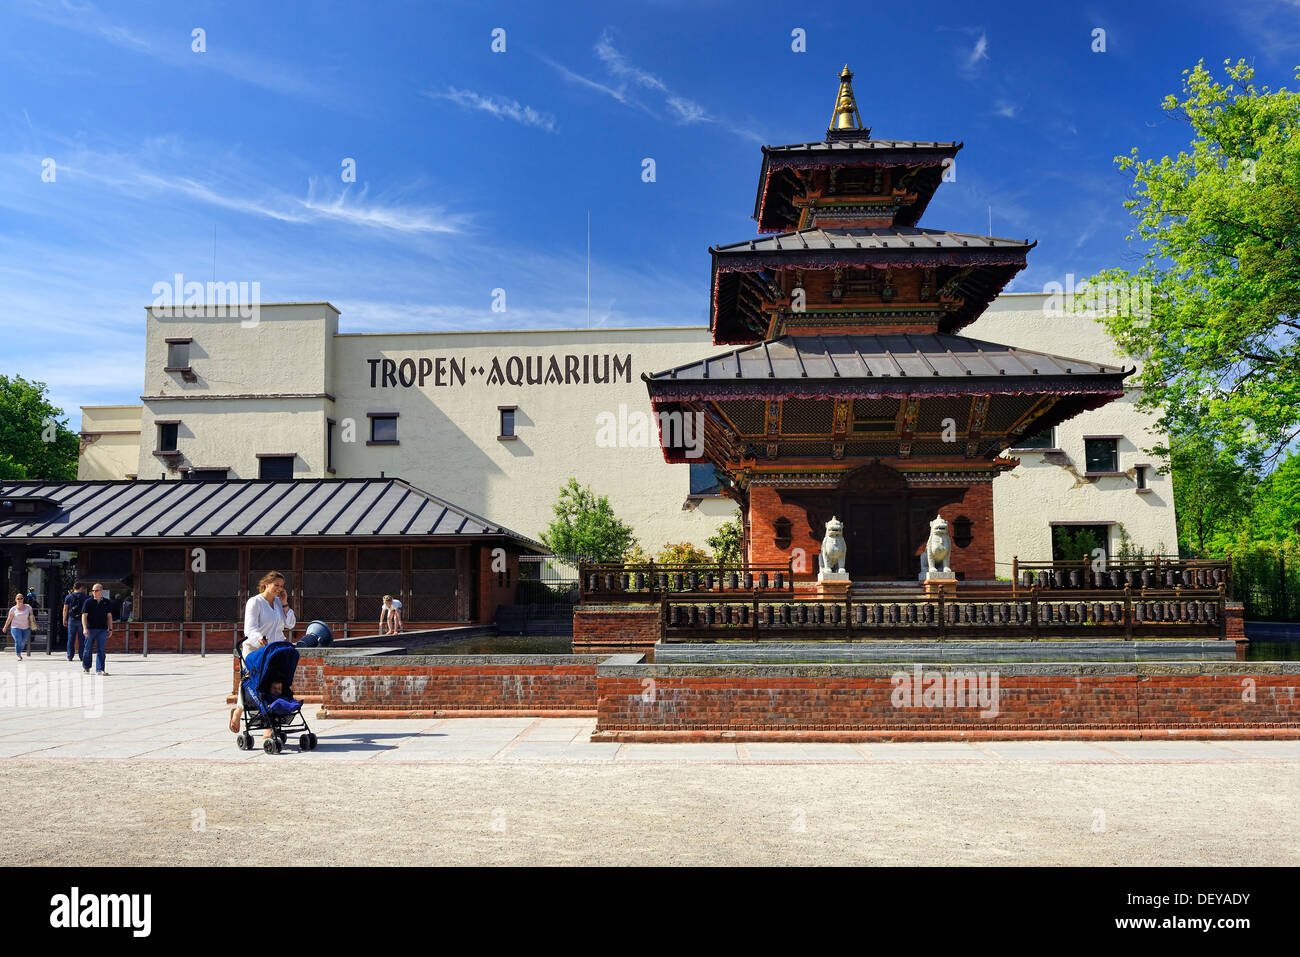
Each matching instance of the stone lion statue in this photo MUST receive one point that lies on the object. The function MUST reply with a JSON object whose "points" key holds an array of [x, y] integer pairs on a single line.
{"points": [[938, 548], [834, 548]]}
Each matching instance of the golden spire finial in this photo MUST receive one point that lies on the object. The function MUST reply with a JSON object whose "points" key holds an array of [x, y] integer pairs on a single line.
{"points": [[846, 116]]}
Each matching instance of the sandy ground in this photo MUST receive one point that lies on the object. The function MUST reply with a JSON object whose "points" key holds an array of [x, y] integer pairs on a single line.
{"points": [[185, 812], [148, 775]]}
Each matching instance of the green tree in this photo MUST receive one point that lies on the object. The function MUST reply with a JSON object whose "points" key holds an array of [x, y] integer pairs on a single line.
{"points": [[586, 526], [1220, 230], [726, 543], [1276, 509], [683, 553], [34, 435], [1212, 493]]}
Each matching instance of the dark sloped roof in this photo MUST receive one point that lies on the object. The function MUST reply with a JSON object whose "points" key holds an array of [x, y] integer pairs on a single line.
{"points": [[241, 508], [852, 365], [858, 144], [777, 183], [899, 237]]}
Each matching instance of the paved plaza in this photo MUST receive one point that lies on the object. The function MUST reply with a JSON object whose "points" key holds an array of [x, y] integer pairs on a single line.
{"points": [[141, 769]]}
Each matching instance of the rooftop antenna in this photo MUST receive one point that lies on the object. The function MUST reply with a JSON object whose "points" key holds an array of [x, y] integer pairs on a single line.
{"points": [[990, 220], [588, 269]]}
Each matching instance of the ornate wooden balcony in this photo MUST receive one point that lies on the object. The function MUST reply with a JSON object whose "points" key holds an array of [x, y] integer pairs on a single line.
{"points": [[1116, 573], [616, 582], [1033, 615]]}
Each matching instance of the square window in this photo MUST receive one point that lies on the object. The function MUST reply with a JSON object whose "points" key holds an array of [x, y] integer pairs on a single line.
{"points": [[1043, 440], [704, 479], [275, 467], [178, 354], [167, 436], [507, 421], [1101, 455], [383, 430]]}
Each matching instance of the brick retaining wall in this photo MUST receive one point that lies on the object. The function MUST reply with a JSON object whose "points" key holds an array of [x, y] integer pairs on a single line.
{"points": [[420, 686], [870, 702], [616, 628]]}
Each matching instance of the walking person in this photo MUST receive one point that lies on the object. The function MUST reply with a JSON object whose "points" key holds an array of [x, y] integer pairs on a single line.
{"points": [[22, 618], [392, 611], [266, 615], [97, 623], [72, 619]]}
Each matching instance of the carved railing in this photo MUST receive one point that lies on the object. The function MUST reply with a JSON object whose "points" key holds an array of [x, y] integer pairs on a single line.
{"points": [[1157, 572], [1033, 615], [603, 582]]}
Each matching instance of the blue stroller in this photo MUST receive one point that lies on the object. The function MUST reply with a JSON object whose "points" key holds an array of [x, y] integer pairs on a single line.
{"points": [[271, 663]]}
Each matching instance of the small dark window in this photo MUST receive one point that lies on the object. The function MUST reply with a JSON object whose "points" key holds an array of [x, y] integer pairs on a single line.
{"points": [[1043, 440], [329, 444], [782, 529], [275, 467], [507, 421], [704, 479], [209, 475], [961, 531], [1142, 477], [167, 437], [178, 355], [1101, 455], [383, 430]]}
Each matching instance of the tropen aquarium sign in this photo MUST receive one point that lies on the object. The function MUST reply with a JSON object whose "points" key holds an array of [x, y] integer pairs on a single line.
{"points": [[555, 369]]}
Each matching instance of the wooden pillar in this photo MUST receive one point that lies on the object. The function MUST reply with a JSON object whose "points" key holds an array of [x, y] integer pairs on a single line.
{"points": [[406, 574], [352, 583], [137, 575], [187, 602], [296, 593], [466, 580], [245, 568]]}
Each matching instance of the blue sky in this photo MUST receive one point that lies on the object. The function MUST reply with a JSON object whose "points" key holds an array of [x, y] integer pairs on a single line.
{"points": [[476, 170]]}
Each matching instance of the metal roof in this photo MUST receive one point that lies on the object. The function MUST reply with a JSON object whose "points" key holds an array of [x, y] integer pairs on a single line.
{"points": [[899, 356], [851, 145], [898, 237], [153, 510]]}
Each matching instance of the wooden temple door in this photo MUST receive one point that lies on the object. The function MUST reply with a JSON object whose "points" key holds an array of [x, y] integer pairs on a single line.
{"points": [[871, 533]]}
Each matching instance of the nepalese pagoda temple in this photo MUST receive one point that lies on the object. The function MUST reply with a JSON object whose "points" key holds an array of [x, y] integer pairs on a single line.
{"points": [[851, 393]]}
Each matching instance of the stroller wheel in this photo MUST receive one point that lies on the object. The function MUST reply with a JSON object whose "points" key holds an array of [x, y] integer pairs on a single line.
{"points": [[284, 738], [311, 735], [244, 740], [304, 742], [271, 745]]}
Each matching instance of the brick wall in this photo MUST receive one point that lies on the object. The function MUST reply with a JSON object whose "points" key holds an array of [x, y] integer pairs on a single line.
{"points": [[867, 702], [464, 685], [616, 627], [975, 560]]}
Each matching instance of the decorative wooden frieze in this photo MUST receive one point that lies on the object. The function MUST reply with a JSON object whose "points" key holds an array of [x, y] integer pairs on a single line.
{"points": [[978, 410]]}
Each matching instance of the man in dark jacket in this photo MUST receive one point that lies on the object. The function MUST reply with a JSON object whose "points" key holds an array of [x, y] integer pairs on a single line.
{"points": [[72, 619]]}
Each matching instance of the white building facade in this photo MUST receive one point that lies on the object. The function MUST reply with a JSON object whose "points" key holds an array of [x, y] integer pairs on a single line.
{"points": [[497, 422]]}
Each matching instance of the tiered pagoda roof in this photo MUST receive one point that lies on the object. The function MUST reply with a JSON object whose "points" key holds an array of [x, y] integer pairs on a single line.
{"points": [[846, 317]]}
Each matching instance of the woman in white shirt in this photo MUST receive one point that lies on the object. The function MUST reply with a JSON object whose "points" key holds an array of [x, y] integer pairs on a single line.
{"points": [[266, 616], [22, 617]]}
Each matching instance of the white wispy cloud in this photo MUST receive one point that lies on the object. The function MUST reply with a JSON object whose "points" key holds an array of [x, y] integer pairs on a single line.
{"points": [[625, 78], [129, 176], [503, 108], [1007, 109], [980, 51], [175, 51]]}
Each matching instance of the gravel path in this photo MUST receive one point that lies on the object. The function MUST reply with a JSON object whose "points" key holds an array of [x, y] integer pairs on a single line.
{"points": [[996, 812]]}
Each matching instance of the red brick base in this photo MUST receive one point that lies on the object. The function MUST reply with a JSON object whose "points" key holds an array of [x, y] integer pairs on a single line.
{"points": [[616, 628], [792, 704]]}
